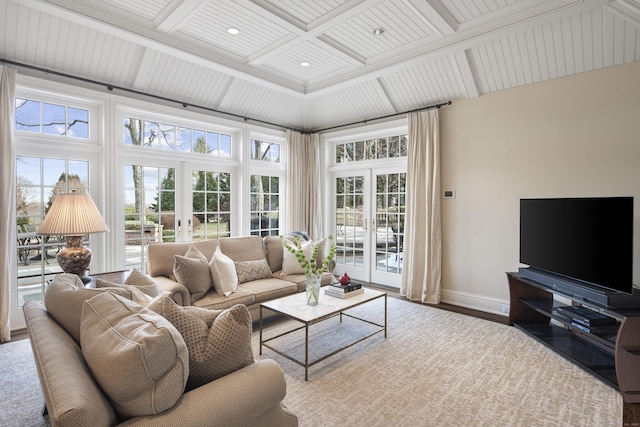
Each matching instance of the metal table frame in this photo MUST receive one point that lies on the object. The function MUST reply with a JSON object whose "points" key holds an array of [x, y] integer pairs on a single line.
{"points": [[344, 305]]}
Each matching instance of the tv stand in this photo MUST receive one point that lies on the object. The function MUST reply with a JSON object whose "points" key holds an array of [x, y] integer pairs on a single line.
{"points": [[611, 354]]}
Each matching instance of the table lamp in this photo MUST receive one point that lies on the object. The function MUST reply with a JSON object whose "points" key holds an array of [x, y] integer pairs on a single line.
{"points": [[73, 215]]}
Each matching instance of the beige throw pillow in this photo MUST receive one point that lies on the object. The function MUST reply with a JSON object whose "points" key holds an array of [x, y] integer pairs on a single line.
{"points": [[148, 289], [144, 282], [223, 272], [137, 357], [192, 271], [219, 341], [64, 298], [290, 264], [253, 270]]}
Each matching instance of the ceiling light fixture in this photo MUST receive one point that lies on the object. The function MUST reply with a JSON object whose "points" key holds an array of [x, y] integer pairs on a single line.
{"points": [[233, 31], [305, 64], [378, 31]]}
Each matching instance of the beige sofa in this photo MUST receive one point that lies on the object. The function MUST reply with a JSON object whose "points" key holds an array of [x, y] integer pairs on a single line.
{"points": [[161, 257], [248, 396]]}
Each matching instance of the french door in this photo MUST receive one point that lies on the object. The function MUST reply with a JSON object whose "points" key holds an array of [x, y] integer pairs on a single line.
{"points": [[173, 201], [369, 210]]}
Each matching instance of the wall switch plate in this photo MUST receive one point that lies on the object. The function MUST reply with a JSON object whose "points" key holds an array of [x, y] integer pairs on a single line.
{"points": [[449, 194]]}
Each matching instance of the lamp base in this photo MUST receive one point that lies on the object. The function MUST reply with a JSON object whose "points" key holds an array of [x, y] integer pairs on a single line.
{"points": [[75, 258]]}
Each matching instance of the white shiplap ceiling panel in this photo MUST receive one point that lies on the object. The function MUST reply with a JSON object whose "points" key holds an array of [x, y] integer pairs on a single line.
{"points": [[211, 22], [431, 51], [254, 101], [198, 85]]}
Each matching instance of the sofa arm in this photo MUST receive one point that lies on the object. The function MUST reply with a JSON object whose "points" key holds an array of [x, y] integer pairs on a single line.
{"points": [[250, 396], [179, 293]]}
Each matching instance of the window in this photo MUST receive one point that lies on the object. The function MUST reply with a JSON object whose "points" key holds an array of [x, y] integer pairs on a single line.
{"points": [[164, 136], [265, 151], [38, 181], [265, 205], [211, 205], [51, 119], [149, 210], [372, 149]]}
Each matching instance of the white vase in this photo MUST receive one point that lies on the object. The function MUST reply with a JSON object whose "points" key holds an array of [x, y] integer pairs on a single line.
{"points": [[313, 288]]}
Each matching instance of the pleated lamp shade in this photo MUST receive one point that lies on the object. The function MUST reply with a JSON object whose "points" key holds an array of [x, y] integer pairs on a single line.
{"points": [[73, 214]]}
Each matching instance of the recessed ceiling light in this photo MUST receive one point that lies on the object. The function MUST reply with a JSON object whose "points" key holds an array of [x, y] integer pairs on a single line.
{"points": [[305, 64], [233, 31], [378, 31]]}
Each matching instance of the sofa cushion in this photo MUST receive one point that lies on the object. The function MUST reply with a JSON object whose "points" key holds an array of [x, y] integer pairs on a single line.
{"points": [[219, 342], [64, 298], [137, 357], [192, 271], [248, 271], [243, 248], [215, 301], [223, 273], [274, 249], [290, 264]]}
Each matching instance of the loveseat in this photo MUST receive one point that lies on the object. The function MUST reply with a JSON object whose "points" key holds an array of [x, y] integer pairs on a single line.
{"points": [[115, 362], [276, 272]]}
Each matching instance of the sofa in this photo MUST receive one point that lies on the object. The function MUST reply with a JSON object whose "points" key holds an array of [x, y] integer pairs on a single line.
{"points": [[117, 362], [281, 278]]}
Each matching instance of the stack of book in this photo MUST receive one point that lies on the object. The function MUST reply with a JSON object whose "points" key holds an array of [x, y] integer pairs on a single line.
{"points": [[343, 291]]}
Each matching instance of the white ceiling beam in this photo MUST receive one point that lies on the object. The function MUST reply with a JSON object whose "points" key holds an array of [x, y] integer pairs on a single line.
{"points": [[436, 16], [177, 13], [466, 77], [144, 70]]}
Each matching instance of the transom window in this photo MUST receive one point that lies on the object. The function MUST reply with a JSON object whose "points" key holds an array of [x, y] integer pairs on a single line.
{"points": [[265, 150], [165, 136], [372, 149], [51, 119]]}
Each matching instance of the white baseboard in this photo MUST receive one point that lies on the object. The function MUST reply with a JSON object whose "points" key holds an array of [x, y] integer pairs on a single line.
{"points": [[476, 302]]}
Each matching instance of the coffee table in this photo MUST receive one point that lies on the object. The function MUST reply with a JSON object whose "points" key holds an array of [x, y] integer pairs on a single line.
{"points": [[295, 307]]}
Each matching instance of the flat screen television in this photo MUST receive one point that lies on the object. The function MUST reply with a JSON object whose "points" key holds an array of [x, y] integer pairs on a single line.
{"points": [[588, 241]]}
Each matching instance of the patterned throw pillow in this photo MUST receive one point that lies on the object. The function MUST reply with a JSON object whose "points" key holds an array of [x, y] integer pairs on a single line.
{"points": [[223, 272], [137, 357], [192, 271], [219, 341], [253, 270]]}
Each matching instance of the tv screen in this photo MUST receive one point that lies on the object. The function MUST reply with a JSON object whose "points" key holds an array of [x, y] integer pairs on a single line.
{"points": [[588, 240]]}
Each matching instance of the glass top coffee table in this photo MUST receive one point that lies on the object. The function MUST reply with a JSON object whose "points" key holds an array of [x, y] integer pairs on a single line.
{"points": [[295, 307]]}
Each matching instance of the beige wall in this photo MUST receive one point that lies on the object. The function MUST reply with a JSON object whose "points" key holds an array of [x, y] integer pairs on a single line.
{"points": [[568, 137]]}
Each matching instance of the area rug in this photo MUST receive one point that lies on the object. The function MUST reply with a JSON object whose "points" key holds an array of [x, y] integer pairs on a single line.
{"points": [[435, 368]]}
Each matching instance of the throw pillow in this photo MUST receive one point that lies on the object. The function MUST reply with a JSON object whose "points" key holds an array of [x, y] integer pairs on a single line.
{"points": [[153, 303], [290, 264], [64, 298], [137, 357], [145, 283], [149, 289], [223, 272], [253, 270], [219, 341], [192, 271]]}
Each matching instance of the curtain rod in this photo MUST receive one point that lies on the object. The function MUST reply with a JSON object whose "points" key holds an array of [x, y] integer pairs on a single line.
{"points": [[428, 107], [111, 87]]}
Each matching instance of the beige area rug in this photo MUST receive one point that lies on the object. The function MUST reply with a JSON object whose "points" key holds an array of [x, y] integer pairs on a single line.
{"points": [[437, 368]]}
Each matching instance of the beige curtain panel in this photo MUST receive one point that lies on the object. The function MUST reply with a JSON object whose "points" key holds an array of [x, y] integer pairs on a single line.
{"points": [[422, 274], [304, 212], [7, 195]]}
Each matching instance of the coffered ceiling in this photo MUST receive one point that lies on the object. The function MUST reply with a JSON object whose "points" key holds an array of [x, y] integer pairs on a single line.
{"points": [[430, 51]]}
